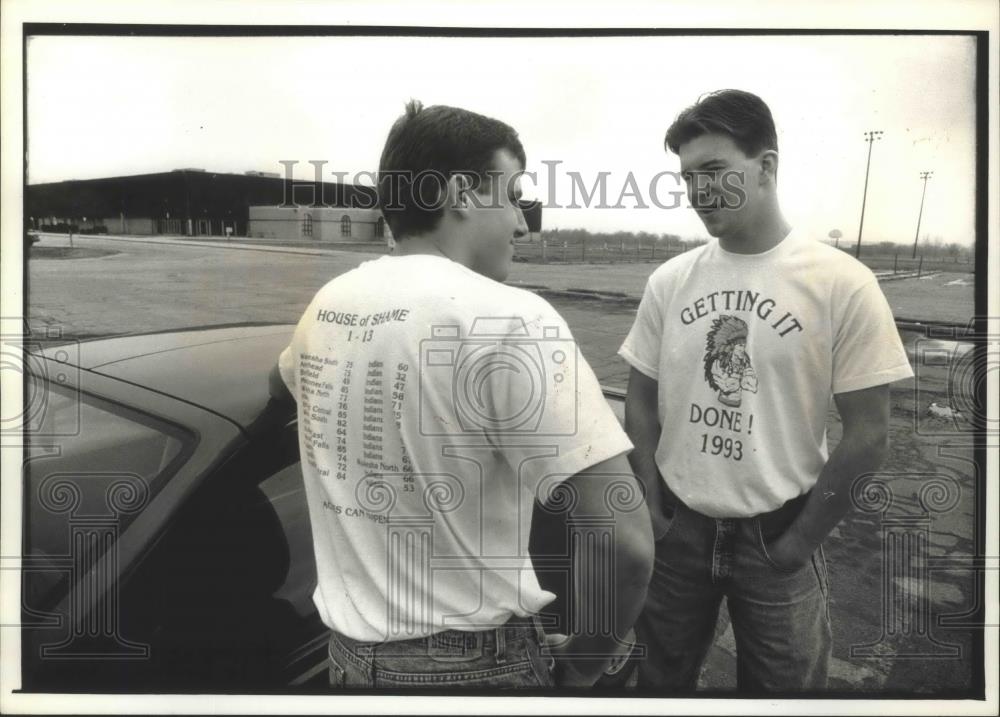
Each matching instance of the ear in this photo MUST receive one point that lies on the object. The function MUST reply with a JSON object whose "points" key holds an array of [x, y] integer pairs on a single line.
{"points": [[459, 187], [769, 166]]}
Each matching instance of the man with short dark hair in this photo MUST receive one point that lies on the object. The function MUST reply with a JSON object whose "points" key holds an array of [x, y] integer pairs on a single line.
{"points": [[736, 350], [435, 406]]}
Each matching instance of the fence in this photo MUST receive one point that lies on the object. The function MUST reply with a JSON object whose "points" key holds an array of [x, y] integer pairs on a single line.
{"points": [[545, 252], [902, 262]]}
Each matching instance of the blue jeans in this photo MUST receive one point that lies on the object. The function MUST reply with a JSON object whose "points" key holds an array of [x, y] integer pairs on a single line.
{"points": [[780, 618], [511, 656]]}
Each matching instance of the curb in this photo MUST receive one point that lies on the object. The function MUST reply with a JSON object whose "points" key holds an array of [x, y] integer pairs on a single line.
{"points": [[613, 296], [268, 248], [906, 275]]}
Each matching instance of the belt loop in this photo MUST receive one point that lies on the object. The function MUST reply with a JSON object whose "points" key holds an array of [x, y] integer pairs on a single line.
{"points": [[501, 645]]}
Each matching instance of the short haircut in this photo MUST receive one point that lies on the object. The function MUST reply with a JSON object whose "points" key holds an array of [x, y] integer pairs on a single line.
{"points": [[442, 141], [743, 116]]}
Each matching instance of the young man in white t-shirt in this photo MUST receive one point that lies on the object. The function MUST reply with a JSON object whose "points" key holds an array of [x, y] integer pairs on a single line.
{"points": [[435, 406], [737, 349]]}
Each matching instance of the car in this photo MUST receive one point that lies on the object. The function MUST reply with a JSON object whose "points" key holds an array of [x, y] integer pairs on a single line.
{"points": [[167, 545]]}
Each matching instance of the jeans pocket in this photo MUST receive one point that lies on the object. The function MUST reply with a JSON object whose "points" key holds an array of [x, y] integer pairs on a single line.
{"points": [[762, 546], [342, 673], [338, 677], [670, 512], [546, 664], [822, 573]]}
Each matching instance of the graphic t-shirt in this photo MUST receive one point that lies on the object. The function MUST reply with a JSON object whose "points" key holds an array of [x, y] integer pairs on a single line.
{"points": [[434, 406], [748, 351]]}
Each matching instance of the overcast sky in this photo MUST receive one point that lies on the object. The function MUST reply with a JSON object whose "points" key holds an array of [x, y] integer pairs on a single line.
{"points": [[108, 106]]}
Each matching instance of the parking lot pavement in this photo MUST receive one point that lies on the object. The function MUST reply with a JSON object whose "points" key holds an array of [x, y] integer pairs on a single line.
{"points": [[627, 279], [154, 286], [952, 292], [900, 609]]}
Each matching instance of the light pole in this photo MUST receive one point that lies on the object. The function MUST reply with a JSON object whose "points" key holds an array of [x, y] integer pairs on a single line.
{"points": [[870, 138], [924, 176]]}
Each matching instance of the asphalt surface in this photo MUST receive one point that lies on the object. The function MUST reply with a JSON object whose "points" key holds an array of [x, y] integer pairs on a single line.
{"points": [[898, 625]]}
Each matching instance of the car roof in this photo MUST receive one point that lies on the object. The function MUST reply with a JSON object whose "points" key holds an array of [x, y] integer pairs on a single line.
{"points": [[222, 369]]}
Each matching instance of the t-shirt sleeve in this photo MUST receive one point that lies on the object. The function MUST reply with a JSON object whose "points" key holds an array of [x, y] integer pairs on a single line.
{"points": [[867, 350], [641, 348], [552, 418]]}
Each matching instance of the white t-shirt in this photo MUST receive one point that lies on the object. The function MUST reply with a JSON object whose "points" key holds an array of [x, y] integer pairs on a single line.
{"points": [[434, 406], [747, 351]]}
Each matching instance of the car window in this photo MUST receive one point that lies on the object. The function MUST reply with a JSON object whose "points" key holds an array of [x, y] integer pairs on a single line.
{"points": [[95, 462], [224, 598], [618, 406], [286, 495]]}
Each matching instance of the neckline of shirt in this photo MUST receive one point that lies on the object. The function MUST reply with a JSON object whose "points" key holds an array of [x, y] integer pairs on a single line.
{"points": [[458, 266], [421, 257], [774, 251], [417, 256]]}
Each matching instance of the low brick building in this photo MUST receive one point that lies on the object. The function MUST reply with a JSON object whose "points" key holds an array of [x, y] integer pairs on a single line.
{"points": [[325, 224]]}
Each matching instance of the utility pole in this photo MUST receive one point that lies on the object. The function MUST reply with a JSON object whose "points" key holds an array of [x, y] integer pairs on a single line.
{"points": [[924, 176], [870, 138]]}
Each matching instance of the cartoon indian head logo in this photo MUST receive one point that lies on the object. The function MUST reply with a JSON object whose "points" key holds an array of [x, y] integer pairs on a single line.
{"points": [[727, 364]]}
